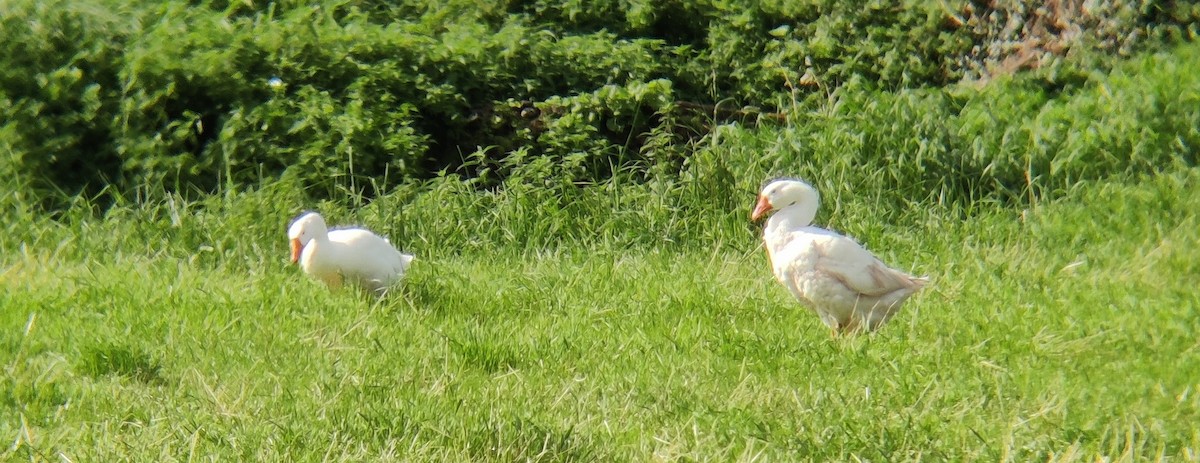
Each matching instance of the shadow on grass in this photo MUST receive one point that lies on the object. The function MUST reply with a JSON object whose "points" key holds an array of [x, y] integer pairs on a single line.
{"points": [[123, 361]]}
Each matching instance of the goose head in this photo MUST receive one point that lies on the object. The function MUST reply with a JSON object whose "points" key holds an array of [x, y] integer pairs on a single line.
{"points": [[305, 228], [797, 198]]}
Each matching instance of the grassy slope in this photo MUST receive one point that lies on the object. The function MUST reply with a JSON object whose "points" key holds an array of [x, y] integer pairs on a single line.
{"points": [[1066, 331], [166, 330]]}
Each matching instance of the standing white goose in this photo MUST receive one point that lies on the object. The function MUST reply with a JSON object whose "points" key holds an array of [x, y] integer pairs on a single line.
{"points": [[353, 255], [848, 287]]}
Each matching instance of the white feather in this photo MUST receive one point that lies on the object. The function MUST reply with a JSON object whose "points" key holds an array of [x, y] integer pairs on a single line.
{"points": [[848, 287], [350, 255]]}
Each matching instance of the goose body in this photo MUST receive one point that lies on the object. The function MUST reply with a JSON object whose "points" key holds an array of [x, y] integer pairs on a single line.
{"points": [[350, 255], [848, 287]]}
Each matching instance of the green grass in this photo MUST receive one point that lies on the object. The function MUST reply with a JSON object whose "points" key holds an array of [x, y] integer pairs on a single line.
{"points": [[635, 318], [1062, 332]]}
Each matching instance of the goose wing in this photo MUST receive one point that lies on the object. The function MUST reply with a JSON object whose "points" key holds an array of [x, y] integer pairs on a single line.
{"points": [[860, 271]]}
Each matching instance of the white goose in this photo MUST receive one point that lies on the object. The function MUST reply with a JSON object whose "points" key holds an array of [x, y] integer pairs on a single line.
{"points": [[353, 255], [848, 287]]}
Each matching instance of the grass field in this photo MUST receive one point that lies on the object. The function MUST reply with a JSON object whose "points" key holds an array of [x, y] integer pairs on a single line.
{"points": [[575, 301], [1062, 332]]}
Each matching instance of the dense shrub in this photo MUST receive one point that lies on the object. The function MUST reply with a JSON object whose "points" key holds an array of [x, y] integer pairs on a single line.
{"points": [[1014, 140], [362, 96], [58, 93]]}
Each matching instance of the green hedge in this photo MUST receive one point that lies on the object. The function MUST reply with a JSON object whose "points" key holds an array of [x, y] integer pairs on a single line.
{"points": [[361, 96]]}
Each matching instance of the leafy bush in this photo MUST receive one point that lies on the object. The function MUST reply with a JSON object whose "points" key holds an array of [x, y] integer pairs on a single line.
{"points": [[57, 91], [356, 98], [877, 157]]}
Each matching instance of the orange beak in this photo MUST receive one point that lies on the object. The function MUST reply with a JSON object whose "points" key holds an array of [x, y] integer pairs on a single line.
{"points": [[763, 207], [296, 248]]}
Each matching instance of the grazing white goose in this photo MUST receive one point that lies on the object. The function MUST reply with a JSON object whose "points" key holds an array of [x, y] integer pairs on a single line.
{"points": [[848, 287], [353, 255]]}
